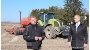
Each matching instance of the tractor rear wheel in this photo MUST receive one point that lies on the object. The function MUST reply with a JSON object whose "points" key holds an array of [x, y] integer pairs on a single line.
{"points": [[50, 32]]}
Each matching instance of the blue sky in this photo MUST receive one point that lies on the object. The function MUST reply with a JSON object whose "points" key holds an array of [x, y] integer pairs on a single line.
{"points": [[10, 8]]}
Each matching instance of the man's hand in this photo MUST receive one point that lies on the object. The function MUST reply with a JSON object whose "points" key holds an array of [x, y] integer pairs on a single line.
{"points": [[69, 44], [85, 45], [40, 38], [36, 38]]}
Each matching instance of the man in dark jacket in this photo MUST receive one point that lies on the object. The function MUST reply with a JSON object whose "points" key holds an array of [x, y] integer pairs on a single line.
{"points": [[33, 34], [78, 37]]}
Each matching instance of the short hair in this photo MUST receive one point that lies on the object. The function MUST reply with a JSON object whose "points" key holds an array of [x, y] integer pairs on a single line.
{"points": [[78, 15], [32, 16]]}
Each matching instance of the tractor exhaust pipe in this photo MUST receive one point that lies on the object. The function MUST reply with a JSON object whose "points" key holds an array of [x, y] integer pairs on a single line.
{"points": [[20, 17]]}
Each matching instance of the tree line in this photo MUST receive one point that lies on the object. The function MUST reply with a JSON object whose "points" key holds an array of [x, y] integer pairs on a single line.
{"points": [[66, 14]]}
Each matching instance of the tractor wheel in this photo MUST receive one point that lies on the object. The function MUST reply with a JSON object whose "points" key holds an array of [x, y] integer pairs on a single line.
{"points": [[18, 32], [50, 32], [21, 32]]}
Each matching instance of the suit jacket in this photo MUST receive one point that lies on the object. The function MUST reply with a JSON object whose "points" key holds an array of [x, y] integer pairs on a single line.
{"points": [[80, 37]]}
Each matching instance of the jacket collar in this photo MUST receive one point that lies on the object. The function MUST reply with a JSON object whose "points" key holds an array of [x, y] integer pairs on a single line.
{"points": [[80, 23], [34, 25]]}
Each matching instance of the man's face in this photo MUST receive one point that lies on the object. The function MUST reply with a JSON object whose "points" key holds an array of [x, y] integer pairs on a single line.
{"points": [[33, 21], [76, 18]]}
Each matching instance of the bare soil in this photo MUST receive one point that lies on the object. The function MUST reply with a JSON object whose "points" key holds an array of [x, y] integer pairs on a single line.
{"points": [[13, 42]]}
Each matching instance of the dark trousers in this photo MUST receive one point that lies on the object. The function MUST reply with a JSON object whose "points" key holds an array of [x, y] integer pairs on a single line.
{"points": [[78, 49], [35, 49], [29, 47]]}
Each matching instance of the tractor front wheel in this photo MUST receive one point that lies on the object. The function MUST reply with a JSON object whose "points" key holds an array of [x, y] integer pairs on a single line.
{"points": [[50, 32]]}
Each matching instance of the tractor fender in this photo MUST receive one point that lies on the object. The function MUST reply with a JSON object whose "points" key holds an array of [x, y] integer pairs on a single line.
{"points": [[40, 23], [48, 25]]}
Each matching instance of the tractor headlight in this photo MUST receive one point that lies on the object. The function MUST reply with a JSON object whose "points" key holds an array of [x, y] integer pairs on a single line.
{"points": [[66, 30]]}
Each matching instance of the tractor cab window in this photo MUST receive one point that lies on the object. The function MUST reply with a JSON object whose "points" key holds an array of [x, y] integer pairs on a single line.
{"points": [[49, 16], [42, 17]]}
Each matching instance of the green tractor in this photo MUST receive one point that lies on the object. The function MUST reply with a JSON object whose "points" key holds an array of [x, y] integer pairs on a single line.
{"points": [[52, 26]]}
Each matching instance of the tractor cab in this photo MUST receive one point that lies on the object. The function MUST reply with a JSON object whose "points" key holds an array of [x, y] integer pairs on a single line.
{"points": [[45, 17]]}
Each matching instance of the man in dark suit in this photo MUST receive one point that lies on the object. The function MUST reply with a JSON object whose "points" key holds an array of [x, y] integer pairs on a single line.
{"points": [[78, 36], [33, 34]]}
